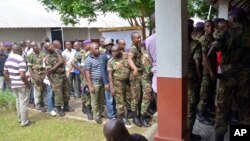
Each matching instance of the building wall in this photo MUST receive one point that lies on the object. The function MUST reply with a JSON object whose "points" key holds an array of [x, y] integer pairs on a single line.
{"points": [[80, 33], [37, 34], [18, 34]]}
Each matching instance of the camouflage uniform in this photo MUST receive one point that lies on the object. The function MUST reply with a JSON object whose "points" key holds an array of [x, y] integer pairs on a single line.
{"points": [[193, 82], [208, 86], [146, 82], [85, 93], [121, 71], [35, 63], [235, 77], [135, 81], [128, 89], [59, 80]]}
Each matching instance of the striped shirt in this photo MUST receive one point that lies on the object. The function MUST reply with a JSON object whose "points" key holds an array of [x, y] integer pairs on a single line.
{"points": [[14, 64], [93, 65]]}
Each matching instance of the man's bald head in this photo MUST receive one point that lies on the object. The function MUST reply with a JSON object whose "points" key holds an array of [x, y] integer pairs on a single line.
{"points": [[115, 130], [57, 44], [121, 44], [17, 49], [47, 45]]}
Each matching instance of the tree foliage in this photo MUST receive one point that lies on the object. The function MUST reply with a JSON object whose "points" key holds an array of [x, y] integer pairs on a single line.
{"points": [[200, 8]]}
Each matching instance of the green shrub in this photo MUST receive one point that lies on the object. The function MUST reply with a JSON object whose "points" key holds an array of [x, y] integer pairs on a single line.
{"points": [[7, 100]]}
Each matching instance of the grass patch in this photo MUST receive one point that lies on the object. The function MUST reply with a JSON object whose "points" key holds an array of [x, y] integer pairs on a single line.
{"points": [[47, 128], [7, 100]]}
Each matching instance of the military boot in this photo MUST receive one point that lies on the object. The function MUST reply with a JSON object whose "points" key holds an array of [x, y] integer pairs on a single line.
{"points": [[125, 119], [136, 119], [84, 108], [59, 111], [89, 113], [204, 119], [144, 121], [66, 107], [43, 108]]}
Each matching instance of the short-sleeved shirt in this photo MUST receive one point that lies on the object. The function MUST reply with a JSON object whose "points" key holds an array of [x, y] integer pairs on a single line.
{"points": [[119, 67], [136, 51], [206, 41], [50, 61], [151, 47], [35, 62], [93, 65], [195, 53], [14, 64]]}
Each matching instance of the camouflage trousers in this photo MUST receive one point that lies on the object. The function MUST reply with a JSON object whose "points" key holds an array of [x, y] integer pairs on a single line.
{"points": [[233, 88], [193, 99], [60, 87], [121, 90], [97, 100], [146, 95], [40, 87], [136, 88], [85, 97], [207, 92]]}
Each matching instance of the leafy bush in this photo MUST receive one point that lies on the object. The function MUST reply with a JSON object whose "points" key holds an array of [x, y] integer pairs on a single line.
{"points": [[7, 100]]}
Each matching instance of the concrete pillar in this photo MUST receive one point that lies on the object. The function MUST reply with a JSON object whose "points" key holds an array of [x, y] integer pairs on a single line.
{"points": [[172, 60], [223, 9], [48, 33]]}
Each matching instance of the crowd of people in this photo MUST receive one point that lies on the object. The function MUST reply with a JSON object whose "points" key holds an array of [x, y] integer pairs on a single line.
{"points": [[105, 75], [218, 73]]}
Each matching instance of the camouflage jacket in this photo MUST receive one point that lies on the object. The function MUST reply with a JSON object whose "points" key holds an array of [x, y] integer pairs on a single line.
{"points": [[119, 67], [35, 62], [136, 51], [50, 61], [195, 50]]}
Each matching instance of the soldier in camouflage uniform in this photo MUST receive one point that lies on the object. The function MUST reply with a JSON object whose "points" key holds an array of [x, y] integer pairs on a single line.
{"points": [[119, 71], [37, 72], [56, 73], [208, 84], [135, 63], [85, 97], [235, 76], [146, 82], [194, 79], [122, 45]]}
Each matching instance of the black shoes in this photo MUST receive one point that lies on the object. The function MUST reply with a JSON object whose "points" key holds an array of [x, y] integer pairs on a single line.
{"points": [[204, 119], [66, 107], [136, 120], [59, 111], [98, 120], [194, 137], [84, 109], [144, 121], [89, 113]]}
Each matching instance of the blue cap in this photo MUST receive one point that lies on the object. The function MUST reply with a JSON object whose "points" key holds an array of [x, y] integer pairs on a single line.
{"points": [[199, 25], [7, 43], [86, 41]]}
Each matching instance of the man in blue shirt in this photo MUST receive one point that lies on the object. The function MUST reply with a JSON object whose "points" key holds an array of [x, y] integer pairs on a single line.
{"points": [[104, 61]]}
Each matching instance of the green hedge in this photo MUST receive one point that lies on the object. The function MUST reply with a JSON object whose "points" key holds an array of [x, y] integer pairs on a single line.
{"points": [[7, 100]]}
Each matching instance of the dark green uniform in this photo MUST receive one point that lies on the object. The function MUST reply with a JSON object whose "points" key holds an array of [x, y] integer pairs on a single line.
{"points": [[208, 86], [121, 71], [135, 81], [193, 82], [35, 64], [146, 82], [235, 77], [59, 81]]}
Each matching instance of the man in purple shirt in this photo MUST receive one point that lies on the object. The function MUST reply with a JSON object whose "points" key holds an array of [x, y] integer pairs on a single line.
{"points": [[151, 47]]}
